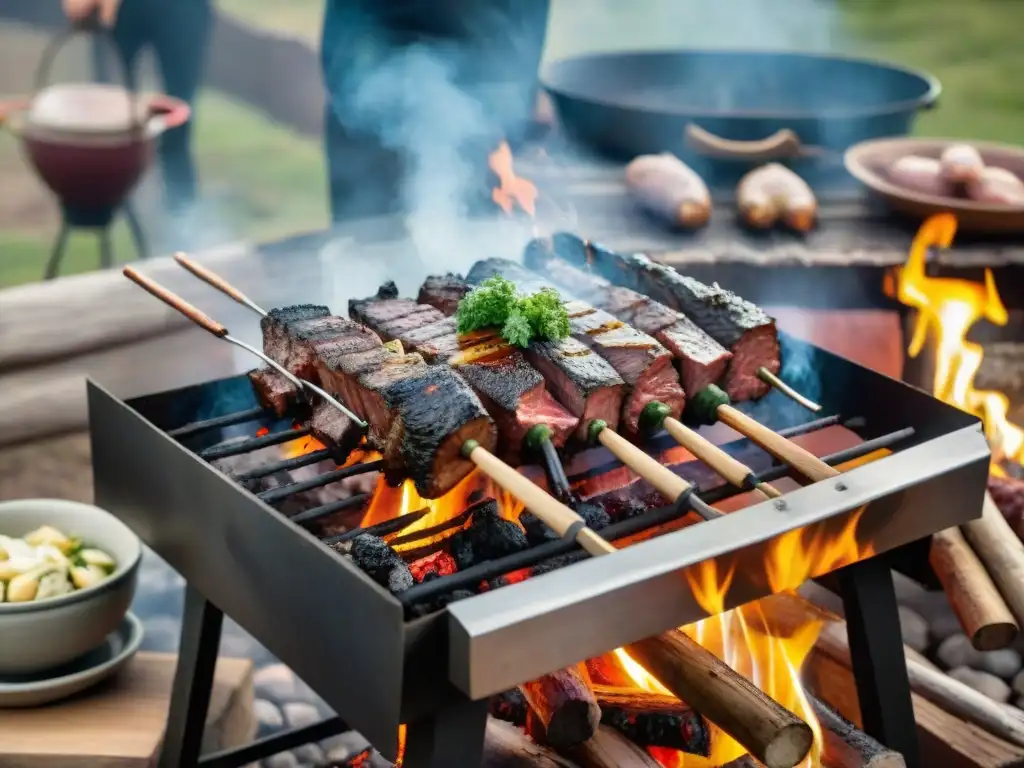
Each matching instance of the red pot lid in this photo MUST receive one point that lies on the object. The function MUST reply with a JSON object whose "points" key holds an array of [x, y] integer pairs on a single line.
{"points": [[87, 108]]}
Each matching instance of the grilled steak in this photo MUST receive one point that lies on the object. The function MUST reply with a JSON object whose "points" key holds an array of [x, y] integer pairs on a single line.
{"points": [[332, 427], [510, 389], [580, 380], [702, 360], [436, 412], [382, 308], [276, 341], [644, 365], [308, 336], [443, 292], [736, 324], [273, 390]]}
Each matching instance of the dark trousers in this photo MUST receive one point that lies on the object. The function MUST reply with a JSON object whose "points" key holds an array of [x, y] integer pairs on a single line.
{"points": [[178, 32]]}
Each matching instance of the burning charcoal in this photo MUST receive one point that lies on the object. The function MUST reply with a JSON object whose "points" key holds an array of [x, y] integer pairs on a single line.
{"points": [[623, 505], [433, 567], [424, 609], [538, 532], [510, 706], [488, 537], [557, 562], [381, 563], [1008, 494], [646, 725]]}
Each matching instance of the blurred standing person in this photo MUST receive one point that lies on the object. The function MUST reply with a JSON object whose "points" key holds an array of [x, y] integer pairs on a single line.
{"points": [[178, 32]]}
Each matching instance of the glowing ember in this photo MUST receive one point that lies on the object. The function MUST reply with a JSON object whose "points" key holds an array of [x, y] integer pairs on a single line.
{"points": [[756, 639], [947, 309], [389, 502], [512, 189]]}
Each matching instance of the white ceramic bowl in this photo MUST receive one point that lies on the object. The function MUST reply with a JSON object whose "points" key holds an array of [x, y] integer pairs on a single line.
{"points": [[41, 635]]}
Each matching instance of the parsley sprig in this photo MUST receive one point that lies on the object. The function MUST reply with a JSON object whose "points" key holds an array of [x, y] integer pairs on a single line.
{"points": [[495, 303]]}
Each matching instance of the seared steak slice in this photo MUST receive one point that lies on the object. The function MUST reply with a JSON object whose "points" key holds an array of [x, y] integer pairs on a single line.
{"points": [[382, 308], [436, 412], [416, 336], [372, 386], [443, 292], [307, 336], [701, 359], [643, 363], [333, 428], [497, 372], [273, 390], [399, 327], [276, 342], [582, 381]]}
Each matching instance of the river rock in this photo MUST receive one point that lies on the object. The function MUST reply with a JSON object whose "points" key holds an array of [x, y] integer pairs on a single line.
{"points": [[282, 760], [299, 714], [957, 651], [1004, 663], [269, 718], [983, 682], [1018, 684], [914, 629], [276, 682]]}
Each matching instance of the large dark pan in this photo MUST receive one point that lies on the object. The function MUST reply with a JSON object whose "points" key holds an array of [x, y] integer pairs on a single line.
{"points": [[725, 111]]}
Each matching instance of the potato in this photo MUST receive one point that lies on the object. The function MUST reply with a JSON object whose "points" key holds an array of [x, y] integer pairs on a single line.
{"points": [[87, 576], [23, 588], [667, 186], [997, 186], [53, 584], [960, 164], [97, 557], [774, 193], [920, 174], [47, 534]]}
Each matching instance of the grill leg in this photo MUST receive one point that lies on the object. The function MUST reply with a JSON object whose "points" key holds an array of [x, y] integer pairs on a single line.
{"points": [[452, 737], [876, 655], [57, 254], [193, 682]]}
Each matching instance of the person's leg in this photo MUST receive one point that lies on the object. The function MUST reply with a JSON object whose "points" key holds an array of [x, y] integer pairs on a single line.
{"points": [[129, 36], [181, 31]]}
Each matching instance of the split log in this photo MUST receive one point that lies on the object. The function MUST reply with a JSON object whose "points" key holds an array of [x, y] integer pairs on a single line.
{"points": [[945, 740], [846, 746], [564, 706], [654, 720], [507, 746], [983, 613], [610, 749], [771, 733], [998, 547]]}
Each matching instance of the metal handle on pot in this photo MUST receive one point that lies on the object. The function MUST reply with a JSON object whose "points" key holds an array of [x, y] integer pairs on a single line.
{"points": [[89, 25], [781, 145]]}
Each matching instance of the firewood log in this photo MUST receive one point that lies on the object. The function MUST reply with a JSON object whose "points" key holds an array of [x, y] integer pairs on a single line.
{"points": [[610, 749], [983, 613], [654, 720], [506, 746], [564, 705], [998, 547], [846, 746]]}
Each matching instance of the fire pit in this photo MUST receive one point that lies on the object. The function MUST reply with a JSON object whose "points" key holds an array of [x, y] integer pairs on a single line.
{"points": [[480, 620]]}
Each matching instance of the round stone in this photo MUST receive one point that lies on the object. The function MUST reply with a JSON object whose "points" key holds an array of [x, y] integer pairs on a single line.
{"points": [[275, 682], [957, 651], [299, 714], [1004, 663], [282, 760], [914, 629], [269, 718]]}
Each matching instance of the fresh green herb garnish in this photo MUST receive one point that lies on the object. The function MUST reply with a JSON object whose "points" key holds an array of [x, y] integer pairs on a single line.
{"points": [[495, 303]]}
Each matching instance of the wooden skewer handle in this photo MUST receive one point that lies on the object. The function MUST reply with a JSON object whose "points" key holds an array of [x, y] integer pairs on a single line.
{"points": [[554, 513], [207, 276], [668, 483], [802, 460], [769, 731], [174, 301], [734, 471]]}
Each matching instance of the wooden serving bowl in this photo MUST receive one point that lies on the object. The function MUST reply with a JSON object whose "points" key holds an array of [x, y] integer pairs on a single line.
{"points": [[869, 162]]}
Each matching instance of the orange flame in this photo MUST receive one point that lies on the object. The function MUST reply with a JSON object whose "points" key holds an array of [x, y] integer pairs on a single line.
{"points": [[947, 308], [389, 502], [512, 190], [755, 639]]}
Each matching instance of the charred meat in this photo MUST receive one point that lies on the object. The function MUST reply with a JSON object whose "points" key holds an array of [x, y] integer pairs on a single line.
{"points": [[511, 390], [444, 292], [334, 428], [276, 340], [273, 390], [701, 359]]}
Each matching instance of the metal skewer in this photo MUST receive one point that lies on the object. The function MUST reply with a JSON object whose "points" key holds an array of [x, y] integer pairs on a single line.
{"points": [[655, 415], [218, 282], [772, 380], [212, 326], [777, 737], [711, 404]]}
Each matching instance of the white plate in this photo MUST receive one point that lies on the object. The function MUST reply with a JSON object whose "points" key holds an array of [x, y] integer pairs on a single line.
{"points": [[75, 676]]}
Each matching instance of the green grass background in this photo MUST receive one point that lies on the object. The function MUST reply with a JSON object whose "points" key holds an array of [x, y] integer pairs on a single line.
{"points": [[267, 182]]}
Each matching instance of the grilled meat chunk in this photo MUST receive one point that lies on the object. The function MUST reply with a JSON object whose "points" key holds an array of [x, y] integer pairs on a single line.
{"points": [[308, 337], [736, 324], [382, 308], [443, 292], [276, 341], [701, 359], [332, 427], [273, 390], [580, 380], [436, 412], [399, 327], [510, 389], [644, 365]]}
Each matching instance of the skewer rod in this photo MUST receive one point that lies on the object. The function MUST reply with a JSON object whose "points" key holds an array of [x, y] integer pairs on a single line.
{"points": [[769, 731], [772, 380], [218, 282], [802, 460], [668, 483]]}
